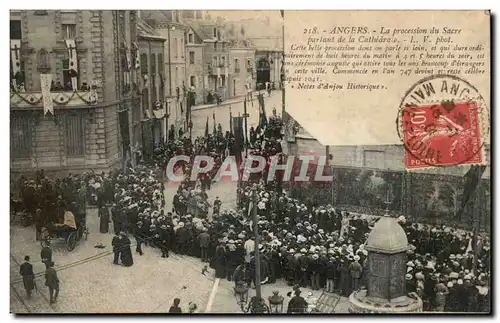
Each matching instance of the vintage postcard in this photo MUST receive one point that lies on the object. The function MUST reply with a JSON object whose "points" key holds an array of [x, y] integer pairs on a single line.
{"points": [[250, 162]]}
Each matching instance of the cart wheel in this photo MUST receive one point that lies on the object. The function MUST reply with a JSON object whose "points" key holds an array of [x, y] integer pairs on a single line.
{"points": [[71, 241]]}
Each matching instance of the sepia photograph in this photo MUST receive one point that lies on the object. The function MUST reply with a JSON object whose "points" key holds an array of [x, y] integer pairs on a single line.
{"points": [[250, 162]]}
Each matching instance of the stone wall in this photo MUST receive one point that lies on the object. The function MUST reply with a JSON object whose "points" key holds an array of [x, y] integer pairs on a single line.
{"points": [[238, 79], [196, 70], [97, 39]]}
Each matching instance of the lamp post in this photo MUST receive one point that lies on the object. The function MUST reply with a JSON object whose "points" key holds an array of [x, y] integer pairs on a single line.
{"points": [[255, 306], [190, 129], [276, 302], [241, 295]]}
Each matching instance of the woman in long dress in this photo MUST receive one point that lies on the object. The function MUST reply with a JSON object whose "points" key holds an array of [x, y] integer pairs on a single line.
{"points": [[220, 261], [104, 220], [126, 251]]}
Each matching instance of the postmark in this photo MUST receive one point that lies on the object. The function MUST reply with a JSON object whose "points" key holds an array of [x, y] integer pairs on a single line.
{"points": [[442, 121]]}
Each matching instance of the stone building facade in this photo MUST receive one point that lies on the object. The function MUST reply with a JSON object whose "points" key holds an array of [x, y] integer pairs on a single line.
{"points": [[216, 69], [268, 67], [194, 64], [150, 123], [167, 24], [92, 91], [242, 70]]}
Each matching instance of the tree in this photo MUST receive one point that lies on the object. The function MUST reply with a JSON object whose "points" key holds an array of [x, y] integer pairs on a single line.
{"points": [[450, 195]]}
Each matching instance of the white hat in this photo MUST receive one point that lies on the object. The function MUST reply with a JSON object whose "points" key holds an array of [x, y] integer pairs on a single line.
{"points": [[291, 251], [408, 276], [303, 250], [315, 256], [460, 282], [357, 258]]}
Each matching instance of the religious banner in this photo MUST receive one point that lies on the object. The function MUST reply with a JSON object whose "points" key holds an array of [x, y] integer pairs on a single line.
{"points": [[45, 83], [72, 63], [137, 60], [15, 56], [128, 66]]}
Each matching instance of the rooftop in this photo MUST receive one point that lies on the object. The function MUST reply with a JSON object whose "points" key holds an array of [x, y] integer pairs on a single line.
{"points": [[387, 237]]}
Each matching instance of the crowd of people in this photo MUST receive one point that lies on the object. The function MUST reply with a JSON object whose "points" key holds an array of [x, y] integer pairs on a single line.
{"points": [[320, 247]]}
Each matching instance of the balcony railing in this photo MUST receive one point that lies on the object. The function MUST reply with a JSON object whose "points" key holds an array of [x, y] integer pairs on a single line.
{"points": [[59, 98]]}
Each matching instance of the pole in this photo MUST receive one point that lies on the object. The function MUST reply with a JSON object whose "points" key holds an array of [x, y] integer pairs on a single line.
{"points": [[246, 130], [230, 120], [255, 216], [477, 216], [167, 114], [169, 64], [283, 73]]}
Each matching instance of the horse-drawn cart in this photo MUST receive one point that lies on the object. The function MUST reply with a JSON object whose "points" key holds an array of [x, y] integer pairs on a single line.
{"points": [[71, 231]]}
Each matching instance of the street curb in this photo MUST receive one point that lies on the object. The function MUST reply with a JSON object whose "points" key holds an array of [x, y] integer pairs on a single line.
{"points": [[215, 287]]}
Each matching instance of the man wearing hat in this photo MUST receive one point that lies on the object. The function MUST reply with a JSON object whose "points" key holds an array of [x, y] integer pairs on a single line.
{"points": [[297, 304], [139, 235], [355, 270], [204, 240], [26, 271], [164, 240], [116, 243]]}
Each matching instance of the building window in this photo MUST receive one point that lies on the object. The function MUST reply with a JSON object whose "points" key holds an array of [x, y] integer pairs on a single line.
{"points": [[68, 85], [175, 47], [160, 63], [69, 31], [160, 73], [154, 95], [75, 146], [374, 159], [144, 64], [190, 39], [215, 32], [223, 46], [145, 106], [236, 65], [20, 136], [192, 81], [15, 29], [222, 61], [214, 61], [191, 57], [215, 46], [153, 64]]}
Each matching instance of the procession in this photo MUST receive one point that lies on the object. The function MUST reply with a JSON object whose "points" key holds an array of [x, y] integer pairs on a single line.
{"points": [[158, 169], [320, 247]]}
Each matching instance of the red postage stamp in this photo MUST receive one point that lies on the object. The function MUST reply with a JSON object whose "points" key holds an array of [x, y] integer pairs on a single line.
{"points": [[442, 121], [442, 135]]}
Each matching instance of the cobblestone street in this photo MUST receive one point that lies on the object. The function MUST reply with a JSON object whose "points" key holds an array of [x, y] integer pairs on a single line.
{"points": [[94, 284], [225, 302]]}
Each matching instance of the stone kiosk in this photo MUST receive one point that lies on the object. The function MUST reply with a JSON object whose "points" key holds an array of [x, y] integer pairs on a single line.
{"points": [[386, 286]]}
